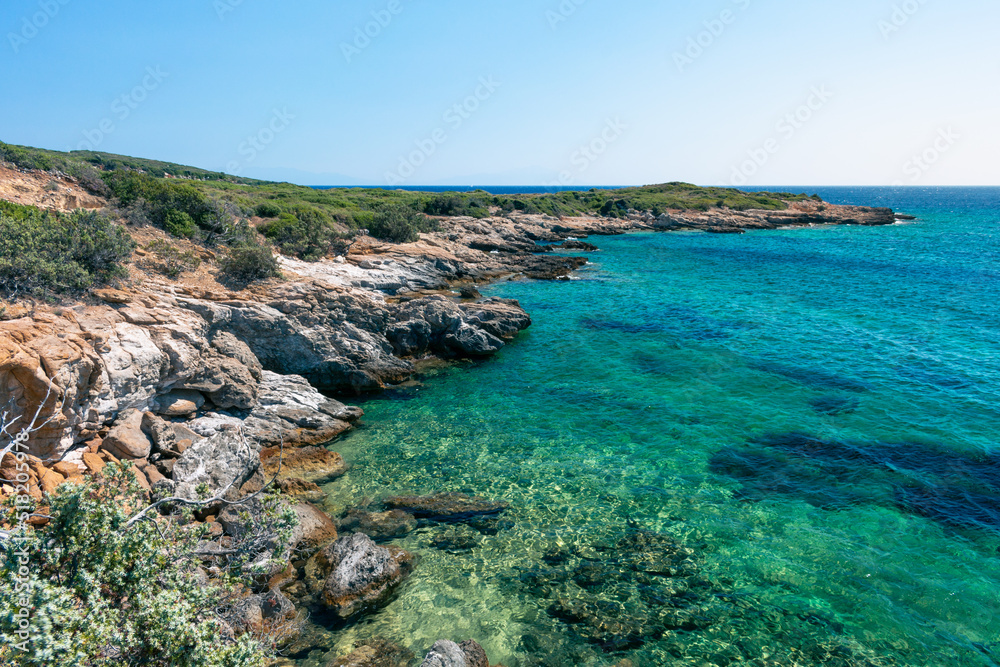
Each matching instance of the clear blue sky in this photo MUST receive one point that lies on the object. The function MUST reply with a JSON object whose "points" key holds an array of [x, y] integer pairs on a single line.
{"points": [[606, 75]]}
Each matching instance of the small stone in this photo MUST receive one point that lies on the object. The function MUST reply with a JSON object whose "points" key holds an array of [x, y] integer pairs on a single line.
{"points": [[180, 403], [112, 296], [67, 469]]}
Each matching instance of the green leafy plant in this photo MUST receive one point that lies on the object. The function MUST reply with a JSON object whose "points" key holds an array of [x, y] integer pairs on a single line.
{"points": [[180, 224], [45, 251], [102, 592], [398, 224], [308, 235]]}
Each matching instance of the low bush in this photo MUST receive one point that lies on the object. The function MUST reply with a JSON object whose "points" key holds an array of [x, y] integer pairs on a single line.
{"points": [[247, 260], [398, 224], [268, 210], [101, 592], [308, 235], [46, 252], [180, 224]]}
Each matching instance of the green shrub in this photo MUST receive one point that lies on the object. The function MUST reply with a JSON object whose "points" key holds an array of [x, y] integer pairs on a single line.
{"points": [[51, 252], [102, 593], [268, 210], [248, 260], [159, 199], [398, 224], [180, 224], [309, 236]]}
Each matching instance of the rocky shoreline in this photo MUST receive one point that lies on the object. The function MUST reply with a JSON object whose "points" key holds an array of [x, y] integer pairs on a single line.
{"points": [[211, 388]]}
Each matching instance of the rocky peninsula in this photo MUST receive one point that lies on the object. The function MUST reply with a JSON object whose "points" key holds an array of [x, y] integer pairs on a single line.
{"points": [[207, 387]]}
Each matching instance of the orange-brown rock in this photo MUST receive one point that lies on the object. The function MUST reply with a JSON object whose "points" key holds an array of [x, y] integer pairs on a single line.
{"points": [[93, 462], [312, 464], [67, 469], [299, 488], [50, 481], [315, 528]]}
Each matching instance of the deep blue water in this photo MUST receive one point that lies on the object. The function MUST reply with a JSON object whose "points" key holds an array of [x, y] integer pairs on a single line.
{"points": [[777, 448]]}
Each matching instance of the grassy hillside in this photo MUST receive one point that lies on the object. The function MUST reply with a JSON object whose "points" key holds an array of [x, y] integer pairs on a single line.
{"points": [[209, 206]]}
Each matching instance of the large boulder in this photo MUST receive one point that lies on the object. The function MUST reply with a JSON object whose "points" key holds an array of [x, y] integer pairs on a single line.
{"points": [[315, 529], [224, 460], [356, 575], [127, 439], [330, 335], [312, 464], [291, 411]]}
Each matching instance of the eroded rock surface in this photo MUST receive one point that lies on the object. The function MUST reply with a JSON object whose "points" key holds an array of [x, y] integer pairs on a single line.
{"points": [[358, 575]]}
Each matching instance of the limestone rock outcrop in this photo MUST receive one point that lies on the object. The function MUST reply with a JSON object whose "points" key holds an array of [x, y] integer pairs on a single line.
{"points": [[220, 362]]}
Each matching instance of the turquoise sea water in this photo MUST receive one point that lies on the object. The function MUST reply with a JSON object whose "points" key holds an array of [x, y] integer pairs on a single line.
{"points": [[778, 448]]}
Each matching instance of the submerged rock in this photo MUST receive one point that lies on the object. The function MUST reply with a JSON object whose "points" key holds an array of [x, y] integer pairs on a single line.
{"points": [[378, 525], [301, 490], [455, 540], [446, 507], [835, 405], [376, 652]]}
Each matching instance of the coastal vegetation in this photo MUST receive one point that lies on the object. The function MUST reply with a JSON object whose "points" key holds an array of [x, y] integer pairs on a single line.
{"points": [[107, 590], [46, 251], [309, 223]]}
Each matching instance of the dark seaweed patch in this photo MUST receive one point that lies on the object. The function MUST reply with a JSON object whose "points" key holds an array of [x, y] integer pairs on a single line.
{"points": [[765, 474], [676, 321], [956, 489], [816, 378], [954, 506], [835, 405]]}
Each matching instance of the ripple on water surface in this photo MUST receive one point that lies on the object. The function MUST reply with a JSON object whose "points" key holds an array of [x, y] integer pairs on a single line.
{"points": [[770, 449]]}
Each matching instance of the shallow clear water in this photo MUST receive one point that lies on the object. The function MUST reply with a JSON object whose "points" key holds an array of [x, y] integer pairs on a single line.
{"points": [[801, 424]]}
